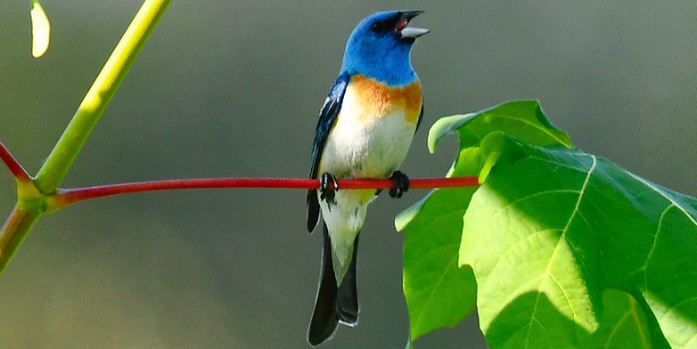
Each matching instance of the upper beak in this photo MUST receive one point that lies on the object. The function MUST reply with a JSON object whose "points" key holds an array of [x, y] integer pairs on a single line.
{"points": [[409, 32]]}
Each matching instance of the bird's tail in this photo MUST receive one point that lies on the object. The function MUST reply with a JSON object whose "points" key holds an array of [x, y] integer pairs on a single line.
{"points": [[333, 304]]}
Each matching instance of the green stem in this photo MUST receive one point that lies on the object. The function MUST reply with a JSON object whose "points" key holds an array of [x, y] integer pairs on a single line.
{"points": [[32, 195], [15, 230], [93, 105]]}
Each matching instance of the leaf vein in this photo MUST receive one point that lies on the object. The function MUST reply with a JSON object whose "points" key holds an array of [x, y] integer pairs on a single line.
{"points": [[645, 341], [665, 195], [563, 292], [557, 163], [539, 193], [534, 126], [612, 334], [653, 246], [430, 296], [562, 238]]}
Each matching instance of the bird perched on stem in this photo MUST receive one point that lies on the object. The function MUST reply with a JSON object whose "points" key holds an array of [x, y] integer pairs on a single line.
{"points": [[364, 130]]}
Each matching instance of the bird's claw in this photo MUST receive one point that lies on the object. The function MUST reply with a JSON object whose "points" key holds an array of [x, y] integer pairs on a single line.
{"points": [[400, 184], [328, 186]]}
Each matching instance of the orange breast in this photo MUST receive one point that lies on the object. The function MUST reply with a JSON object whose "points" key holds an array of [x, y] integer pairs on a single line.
{"points": [[380, 100]]}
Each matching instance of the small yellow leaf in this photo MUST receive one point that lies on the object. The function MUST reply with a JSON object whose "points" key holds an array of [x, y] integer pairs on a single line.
{"points": [[40, 30]]}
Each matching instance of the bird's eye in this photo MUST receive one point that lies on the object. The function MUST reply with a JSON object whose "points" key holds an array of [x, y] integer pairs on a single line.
{"points": [[378, 26]]}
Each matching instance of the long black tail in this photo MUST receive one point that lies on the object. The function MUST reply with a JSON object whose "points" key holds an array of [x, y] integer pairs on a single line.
{"points": [[333, 304], [347, 299]]}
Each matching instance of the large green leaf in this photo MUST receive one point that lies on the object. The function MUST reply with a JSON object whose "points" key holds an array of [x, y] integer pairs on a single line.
{"points": [[564, 226], [438, 293], [568, 250]]}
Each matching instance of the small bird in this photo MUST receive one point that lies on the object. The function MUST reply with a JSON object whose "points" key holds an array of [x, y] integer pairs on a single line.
{"points": [[365, 128]]}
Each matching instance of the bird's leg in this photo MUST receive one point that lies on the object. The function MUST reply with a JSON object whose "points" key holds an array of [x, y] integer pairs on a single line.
{"points": [[328, 187], [400, 184]]}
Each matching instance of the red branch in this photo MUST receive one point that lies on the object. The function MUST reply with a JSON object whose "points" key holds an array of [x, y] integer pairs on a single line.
{"points": [[65, 197], [18, 172]]}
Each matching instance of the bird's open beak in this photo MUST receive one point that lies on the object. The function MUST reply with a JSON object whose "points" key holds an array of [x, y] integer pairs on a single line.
{"points": [[409, 32]]}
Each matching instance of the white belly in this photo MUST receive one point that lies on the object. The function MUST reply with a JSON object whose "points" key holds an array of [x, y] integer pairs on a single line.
{"points": [[359, 146], [367, 149]]}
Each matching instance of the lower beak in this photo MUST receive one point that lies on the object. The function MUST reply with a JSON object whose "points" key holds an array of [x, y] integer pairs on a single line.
{"points": [[410, 32]]}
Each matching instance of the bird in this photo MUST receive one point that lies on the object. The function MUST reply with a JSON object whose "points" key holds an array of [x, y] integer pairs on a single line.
{"points": [[365, 128]]}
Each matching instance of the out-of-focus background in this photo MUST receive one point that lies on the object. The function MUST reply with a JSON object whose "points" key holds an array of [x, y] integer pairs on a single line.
{"points": [[232, 88]]}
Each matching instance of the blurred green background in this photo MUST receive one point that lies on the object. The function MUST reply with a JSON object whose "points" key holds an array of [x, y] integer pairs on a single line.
{"points": [[232, 88]]}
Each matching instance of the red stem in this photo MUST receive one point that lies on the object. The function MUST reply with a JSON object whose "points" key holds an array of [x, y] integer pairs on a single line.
{"points": [[65, 197], [18, 172]]}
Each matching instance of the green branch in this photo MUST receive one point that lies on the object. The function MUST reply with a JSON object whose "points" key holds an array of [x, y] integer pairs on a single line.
{"points": [[33, 195], [15, 230], [97, 98]]}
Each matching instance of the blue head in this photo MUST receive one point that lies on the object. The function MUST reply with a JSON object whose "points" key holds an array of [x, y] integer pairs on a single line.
{"points": [[379, 47]]}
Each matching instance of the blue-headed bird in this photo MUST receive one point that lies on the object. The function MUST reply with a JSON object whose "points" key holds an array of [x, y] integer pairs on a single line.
{"points": [[365, 128]]}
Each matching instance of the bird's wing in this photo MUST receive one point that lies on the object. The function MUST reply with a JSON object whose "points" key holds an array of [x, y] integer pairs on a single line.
{"points": [[421, 116], [327, 118]]}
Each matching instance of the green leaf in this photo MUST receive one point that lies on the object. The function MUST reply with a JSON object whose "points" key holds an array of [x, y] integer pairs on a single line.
{"points": [[40, 30], [437, 292], [622, 326], [564, 226], [521, 119], [568, 249]]}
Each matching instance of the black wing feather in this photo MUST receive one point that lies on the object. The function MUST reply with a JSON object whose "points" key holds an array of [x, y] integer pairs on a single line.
{"points": [[327, 118], [421, 116]]}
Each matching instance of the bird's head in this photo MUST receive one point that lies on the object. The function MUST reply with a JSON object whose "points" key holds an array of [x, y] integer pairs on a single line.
{"points": [[379, 47]]}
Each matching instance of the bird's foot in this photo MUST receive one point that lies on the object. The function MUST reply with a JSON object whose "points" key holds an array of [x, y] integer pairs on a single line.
{"points": [[400, 184], [328, 186]]}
